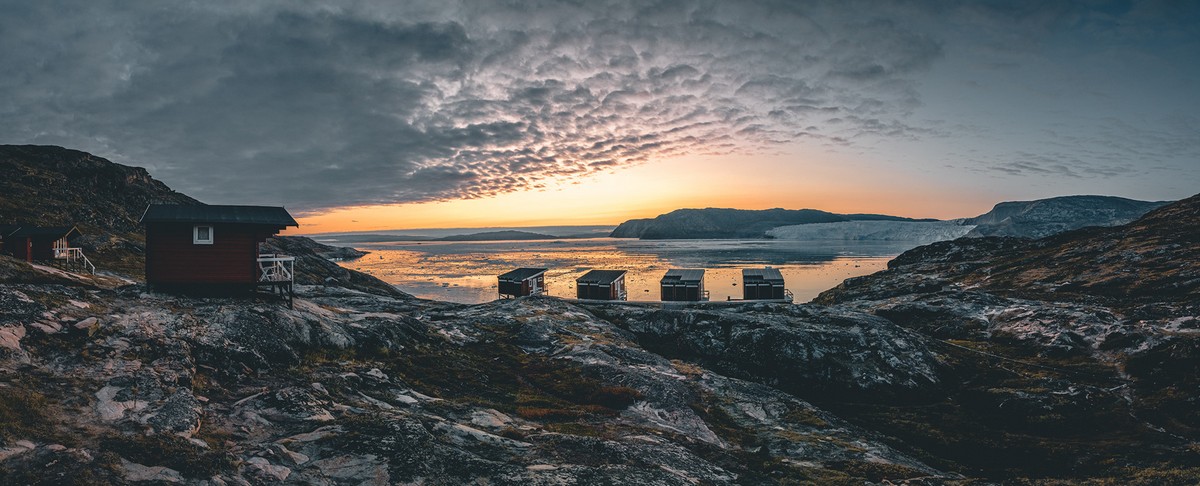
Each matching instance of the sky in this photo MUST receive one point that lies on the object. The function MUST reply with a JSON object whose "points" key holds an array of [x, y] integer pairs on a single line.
{"points": [[367, 115]]}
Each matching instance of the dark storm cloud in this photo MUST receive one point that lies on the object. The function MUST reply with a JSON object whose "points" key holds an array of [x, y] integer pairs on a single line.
{"points": [[319, 106]]}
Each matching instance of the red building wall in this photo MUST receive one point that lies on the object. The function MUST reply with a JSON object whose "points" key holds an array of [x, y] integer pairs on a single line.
{"points": [[19, 248], [172, 258], [32, 249], [43, 248]]}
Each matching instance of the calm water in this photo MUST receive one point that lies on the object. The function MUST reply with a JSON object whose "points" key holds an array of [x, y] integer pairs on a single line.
{"points": [[466, 271]]}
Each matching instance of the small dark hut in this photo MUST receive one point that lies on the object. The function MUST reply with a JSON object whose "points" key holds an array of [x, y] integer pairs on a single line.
{"points": [[522, 282], [601, 285], [683, 284], [763, 284], [5, 230], [41, 243], [215, 246]]}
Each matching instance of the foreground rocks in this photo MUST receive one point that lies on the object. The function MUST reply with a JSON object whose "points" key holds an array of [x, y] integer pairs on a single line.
{"points": [[1069, 359], [356, 388]]}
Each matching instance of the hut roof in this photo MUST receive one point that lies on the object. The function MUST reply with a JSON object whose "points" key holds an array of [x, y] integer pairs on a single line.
{"points": [[55, 232], [683, 275], [8, 229], [522, 274], [768, 274], [601, 277], [205, 213]]}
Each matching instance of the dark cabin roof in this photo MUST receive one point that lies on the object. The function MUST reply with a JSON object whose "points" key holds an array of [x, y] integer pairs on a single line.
{"points": [[684, 275], [8, 229], [209, 213], [771, 275], [55, 232], [601, 277], [522, 274]]}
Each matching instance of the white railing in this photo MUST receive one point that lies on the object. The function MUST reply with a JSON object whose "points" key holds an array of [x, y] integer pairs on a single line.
{"points": [[788, 296], [74, 256], [273, 267]]}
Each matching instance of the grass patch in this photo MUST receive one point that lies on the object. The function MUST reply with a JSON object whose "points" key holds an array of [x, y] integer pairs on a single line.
{"points": [[24, 414], [171, 451], [805, 416]]}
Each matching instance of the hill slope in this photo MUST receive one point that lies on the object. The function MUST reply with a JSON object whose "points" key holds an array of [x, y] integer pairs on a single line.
{"points": [[1156, 257], [730, 223], [1110, 311], [54, 186], [47, 185], [1044, 217]]}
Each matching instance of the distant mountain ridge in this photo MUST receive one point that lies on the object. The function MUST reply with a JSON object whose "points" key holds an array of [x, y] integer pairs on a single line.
{"points": [[1023, 219], [1044, 217], [719, 223], [497, 236]]}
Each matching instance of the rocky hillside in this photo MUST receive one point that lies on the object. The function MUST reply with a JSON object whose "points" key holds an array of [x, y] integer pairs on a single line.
{"points": [[1045, 217], [1090, 335], [315, 265], [730, 223], [937, 384], [54, 186], [119, 386], [1153, 259]]}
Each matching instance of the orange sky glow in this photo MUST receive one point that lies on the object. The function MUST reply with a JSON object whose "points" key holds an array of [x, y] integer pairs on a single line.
{"points": [[831, 182]]}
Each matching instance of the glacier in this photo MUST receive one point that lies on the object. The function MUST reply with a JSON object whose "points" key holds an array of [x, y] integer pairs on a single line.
{"points": [[918, 232]]}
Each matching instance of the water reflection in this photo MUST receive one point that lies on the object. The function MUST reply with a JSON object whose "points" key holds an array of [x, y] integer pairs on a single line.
{"points": [[466, 271]]}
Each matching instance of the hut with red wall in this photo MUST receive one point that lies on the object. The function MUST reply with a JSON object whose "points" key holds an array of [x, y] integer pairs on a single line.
{"points": [[683, 284], [5, 230], [763, 284], [601, 285], [39, 243], [211, 245], [522, 282]]}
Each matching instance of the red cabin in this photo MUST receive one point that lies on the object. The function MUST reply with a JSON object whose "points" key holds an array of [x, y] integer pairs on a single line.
{"points": [[764, 284], [38, 243], [522, 282], [601, 285], [189, 245], [5, 231], [683, 284]]}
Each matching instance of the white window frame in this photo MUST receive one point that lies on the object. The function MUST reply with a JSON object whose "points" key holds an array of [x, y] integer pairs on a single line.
{"points": [[196, 234]]}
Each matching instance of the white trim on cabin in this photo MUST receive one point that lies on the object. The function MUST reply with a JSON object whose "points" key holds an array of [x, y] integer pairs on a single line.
{"points": [[208, 234]]}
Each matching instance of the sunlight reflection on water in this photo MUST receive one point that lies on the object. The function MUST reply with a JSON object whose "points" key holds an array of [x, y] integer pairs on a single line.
{"points": [[466, 271]]}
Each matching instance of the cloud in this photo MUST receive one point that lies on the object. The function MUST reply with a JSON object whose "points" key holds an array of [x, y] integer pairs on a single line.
{"points": [[320, 106], [326, 106]]}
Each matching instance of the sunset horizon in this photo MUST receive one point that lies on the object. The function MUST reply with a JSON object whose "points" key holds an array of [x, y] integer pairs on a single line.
{"points": [[383, 116], [600, 242]]}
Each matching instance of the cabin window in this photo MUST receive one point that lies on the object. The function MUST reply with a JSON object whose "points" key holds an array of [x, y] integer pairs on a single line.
{"points": [[202, 235]]}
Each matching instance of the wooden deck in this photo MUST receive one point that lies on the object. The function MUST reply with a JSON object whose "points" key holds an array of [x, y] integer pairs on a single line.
{"points": [[278, 272]]}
